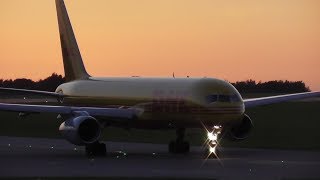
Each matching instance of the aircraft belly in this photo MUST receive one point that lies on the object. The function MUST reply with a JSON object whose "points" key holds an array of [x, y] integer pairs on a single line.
{"points": [[188, 120]]}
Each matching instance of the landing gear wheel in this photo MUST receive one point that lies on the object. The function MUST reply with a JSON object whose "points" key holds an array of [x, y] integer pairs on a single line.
{"points": [[172, 147], [179, 147], [96, 149]]}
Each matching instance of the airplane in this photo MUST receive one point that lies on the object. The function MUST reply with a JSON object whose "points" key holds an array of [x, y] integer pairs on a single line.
{"points": [[89, 104]]}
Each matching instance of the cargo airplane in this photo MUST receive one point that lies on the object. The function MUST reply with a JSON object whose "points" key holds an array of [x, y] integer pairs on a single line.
{"points": [[89, 104]]}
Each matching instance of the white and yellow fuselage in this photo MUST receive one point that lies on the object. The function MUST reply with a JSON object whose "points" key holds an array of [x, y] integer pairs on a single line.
{"points": [[165, 102]]}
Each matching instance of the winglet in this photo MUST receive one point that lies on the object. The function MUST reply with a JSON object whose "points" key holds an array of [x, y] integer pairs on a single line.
{"points": [[73, 65]]}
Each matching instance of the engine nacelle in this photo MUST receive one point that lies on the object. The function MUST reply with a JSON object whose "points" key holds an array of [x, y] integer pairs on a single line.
{"points": [[81, 130], [241, 131]]}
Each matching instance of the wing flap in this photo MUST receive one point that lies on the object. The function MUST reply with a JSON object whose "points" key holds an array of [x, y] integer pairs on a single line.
{"points": [[277, 99], [32, 92], [93, 111]]}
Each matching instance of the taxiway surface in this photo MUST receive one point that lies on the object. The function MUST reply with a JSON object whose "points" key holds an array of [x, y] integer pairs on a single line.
{"points": [[35, 157]]}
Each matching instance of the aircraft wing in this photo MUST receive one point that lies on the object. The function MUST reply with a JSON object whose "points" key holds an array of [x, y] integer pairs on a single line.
{"points": [[277, 99], [116, 113]]}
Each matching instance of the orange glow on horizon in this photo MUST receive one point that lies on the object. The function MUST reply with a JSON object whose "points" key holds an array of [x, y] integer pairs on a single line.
{"points": [[232, 40]]}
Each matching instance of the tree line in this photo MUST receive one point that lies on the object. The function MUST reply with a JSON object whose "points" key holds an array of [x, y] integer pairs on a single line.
{"points": [[250, 86], [48, 84]]}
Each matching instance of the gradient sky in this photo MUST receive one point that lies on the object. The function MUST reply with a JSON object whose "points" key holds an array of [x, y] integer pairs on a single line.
{"points": [[229, 39]]}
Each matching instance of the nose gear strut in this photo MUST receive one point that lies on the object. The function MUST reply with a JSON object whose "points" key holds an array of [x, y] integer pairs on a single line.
{"points": [[179, 145], [213, 138]]}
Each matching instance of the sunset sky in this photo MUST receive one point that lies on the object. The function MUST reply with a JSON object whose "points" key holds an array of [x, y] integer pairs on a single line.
{"points": [[228, 39]]}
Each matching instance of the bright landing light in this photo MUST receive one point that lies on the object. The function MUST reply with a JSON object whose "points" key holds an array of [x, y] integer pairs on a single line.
{"points": [[212, 136], [212, 149]]}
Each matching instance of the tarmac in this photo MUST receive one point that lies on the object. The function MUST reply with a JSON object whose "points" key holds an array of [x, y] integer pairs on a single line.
{"points": [[39, 157]]}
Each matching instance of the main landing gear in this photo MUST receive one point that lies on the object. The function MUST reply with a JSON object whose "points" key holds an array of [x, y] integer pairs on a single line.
{"points": [[96, 149], [179, 146]]}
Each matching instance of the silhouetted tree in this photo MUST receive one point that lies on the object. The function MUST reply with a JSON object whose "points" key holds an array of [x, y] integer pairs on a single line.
{"points": [[23, 83], [250, 86], [48, 84]]}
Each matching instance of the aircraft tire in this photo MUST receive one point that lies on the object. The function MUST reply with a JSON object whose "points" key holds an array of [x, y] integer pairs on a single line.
{"points": [[96, 150], [179, 147]]}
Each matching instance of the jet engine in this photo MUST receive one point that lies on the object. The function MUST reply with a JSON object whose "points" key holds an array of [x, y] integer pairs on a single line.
{"points": [[241, 131], [81, 130]]}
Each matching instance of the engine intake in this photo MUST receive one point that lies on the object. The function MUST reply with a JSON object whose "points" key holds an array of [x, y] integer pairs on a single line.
{"points": [[241, 131], [81, 130]]}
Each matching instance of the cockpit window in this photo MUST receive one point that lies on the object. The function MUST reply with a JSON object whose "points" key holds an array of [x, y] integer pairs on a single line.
{"points": [[235, 98], [223, 98], [212, 98]]}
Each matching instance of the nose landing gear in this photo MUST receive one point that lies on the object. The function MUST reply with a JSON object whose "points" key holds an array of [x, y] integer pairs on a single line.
{"points": [[179, 146], [213, 141]]}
